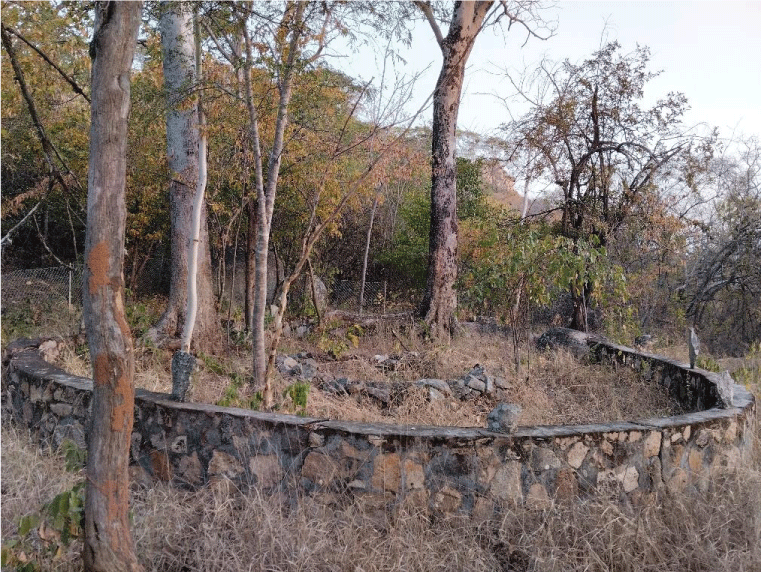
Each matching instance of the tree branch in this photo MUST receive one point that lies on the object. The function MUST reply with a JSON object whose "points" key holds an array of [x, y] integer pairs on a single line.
{"points": [[63, 74], [425, 7]]}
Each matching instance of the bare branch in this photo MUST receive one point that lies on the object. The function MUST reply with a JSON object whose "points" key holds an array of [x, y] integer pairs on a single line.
{"points": [[7, 238], [427, 10]]}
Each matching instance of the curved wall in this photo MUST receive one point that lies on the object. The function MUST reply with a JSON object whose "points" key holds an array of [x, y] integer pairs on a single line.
{"points": [[442, 469]]}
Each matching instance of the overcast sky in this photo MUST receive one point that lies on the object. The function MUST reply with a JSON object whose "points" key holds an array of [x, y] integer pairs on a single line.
{"points": [[710, 51]]}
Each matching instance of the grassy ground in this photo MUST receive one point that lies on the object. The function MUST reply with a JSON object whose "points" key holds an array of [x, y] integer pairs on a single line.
{"points": [[551, 388]]}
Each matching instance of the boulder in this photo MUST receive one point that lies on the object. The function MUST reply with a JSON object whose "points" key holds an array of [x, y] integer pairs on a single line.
{"points": [[572, 341], [504, 418]]}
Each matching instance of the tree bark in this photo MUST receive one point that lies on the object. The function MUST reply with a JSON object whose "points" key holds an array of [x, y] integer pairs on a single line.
{"points": [[182, 151], [367, 252], [108, 544], [250, 265], [440, 299], [291, 25]]}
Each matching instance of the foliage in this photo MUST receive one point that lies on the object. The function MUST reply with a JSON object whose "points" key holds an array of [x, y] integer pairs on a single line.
{"points": [[707, 363], [408, 254], [60, 30], [236, 382], [56, 524], [722, 285], [506, 263], [333, 345], [299, 393], [142, 314]]}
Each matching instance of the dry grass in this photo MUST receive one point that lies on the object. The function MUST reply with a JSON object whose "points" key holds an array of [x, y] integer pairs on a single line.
{"points": [[552, 388], [213, 530]]}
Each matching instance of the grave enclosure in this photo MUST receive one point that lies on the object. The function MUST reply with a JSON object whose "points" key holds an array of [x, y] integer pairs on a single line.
{"points": [[439, 469]]}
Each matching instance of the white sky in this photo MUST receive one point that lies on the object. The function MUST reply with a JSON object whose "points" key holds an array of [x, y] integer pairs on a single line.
{"points": [[709, 50]]}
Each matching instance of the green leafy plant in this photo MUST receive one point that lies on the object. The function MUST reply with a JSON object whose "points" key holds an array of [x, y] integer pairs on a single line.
{"points": [[354, 333], [335, 347], [299, 393], [708, 363], [57, 523], [141, 315]]}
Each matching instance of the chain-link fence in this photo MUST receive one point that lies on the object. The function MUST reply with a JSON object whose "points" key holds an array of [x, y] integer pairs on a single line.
{"points": [[38, 285], [345, 295], [64, 284]]}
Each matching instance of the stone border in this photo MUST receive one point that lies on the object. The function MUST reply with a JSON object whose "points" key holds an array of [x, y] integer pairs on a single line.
{"points": [[441, 469]]}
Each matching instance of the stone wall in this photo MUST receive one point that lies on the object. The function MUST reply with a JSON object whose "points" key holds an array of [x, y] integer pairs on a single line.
{"points": [[441, 469]]}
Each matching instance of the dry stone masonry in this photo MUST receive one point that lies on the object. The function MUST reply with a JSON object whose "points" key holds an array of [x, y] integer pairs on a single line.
{"points": [[438, 469]]}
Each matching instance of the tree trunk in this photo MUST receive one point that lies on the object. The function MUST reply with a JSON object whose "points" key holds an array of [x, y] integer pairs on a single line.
{"points": [[440, 299], [182, 150], [367, 252], [250, 265], [108, 544], [291, 24]]}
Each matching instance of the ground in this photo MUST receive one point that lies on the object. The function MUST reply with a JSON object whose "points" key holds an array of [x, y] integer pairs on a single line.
{"points": [[552, 388]]}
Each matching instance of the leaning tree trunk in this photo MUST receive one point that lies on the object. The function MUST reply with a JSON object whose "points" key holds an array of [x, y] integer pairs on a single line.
{"points": [[108, 544], [182, 151], [440, 299]]}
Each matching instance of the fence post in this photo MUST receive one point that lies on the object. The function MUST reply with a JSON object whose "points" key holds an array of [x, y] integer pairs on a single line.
{"points": [[385, 288], [71, 308]]}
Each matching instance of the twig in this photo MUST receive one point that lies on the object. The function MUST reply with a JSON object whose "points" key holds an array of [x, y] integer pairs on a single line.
{"points": [[401, 341]]}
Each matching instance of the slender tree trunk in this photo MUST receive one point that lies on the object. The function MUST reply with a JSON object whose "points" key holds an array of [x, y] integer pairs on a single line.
{"points": [[108, 542], [250, 265], [292, 26], [367, 252], [182, 150], [440, 299]]}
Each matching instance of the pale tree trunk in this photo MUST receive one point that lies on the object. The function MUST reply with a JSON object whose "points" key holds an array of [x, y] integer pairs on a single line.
{"points": [[182, 151], [291, 25], [367, 252], [108, 544], [191, 310], [440, 299]]}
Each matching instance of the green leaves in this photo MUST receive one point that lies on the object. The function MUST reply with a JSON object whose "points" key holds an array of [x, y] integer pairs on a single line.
{"points": [[299, 393], [505, 262]]}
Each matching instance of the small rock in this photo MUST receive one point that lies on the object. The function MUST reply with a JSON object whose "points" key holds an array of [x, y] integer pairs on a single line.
{"points": [[382, 394], [501, 383], [308, 368], [302, 331], [335, 386], [49, 350], [504, 418], [380, 358], [438, 384], [544, 459], [475, 384], [290, 364], [354, 387], [646, 341], [435, 394]]}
